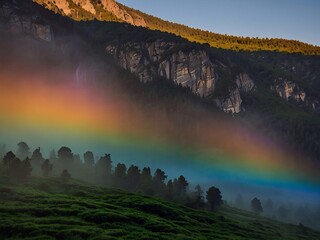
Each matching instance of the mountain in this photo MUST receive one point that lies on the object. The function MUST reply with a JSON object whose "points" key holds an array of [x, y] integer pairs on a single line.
{"points": [[80, 211], [109, 10], [263, 88], [176, 84]]}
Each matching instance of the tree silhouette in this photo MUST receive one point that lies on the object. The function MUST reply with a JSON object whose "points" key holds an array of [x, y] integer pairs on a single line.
{"points": [[88, 159], [133, 177], [199, 191], [14, 167], [65, 176], [158, 181], [182, 186], [120, 174], [88, 166], [103, 170], [36, 160], [169, 194], [23, 150], [146, 181], [256, 205], [199, 203], [36, 157], [214, 197], [10, 164], [17, 169], [8, 158], [46, 168], [65, 156]]}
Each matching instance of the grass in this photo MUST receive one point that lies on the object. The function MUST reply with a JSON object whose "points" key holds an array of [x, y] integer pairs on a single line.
{"points": [[46, 209]]}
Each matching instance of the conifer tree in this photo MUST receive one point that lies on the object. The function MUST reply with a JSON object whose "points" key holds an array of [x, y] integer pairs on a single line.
{"points": [[46, 168]]}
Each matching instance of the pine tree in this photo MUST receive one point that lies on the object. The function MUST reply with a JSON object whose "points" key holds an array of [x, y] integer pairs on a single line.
{"points": [[46, 168], [256, 205], [214, 197]]}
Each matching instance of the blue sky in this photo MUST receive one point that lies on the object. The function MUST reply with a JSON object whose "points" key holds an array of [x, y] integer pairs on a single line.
{"points": [[291, 19]]}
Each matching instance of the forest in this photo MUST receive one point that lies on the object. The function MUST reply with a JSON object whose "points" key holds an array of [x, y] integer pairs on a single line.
{"points": [[228, 42], [100, 171], [215, 40], [65, 164]]}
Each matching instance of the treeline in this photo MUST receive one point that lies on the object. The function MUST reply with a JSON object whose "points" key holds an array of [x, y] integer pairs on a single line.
{"points": [[65, 164], [230, 42], [192, 34]]}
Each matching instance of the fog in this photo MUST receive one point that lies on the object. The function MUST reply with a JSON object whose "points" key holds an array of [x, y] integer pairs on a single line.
{"points": [[61, 94]]}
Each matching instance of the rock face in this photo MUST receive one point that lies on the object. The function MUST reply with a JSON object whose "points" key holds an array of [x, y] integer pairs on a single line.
{"points": [[244, 82], [63, 5], [189, 68], [25, 24], [43, 32], [230, 103], [110, 6], [86, 5], [114, 8], [289, 91]]}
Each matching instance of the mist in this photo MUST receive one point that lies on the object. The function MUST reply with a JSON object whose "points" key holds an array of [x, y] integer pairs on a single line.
{"points": [[55, 95]]}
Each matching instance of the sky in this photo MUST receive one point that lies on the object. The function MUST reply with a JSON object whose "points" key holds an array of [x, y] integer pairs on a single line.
{"points": [[290, 19]]}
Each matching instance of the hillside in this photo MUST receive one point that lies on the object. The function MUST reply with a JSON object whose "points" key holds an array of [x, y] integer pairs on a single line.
{"points": [[151, 98], [275, 92], [109, 10], [47, 209]]}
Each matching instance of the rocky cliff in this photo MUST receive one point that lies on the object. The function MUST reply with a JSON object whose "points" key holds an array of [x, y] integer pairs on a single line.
{"points": [[291, 91], [147, 60], [190, 68], [14, 21], [94, 9], [121, 13]]}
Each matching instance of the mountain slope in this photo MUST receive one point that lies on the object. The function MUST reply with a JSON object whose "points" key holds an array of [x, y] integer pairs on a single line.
{"points": [[267, 88], [47, 209], [109, 10], [39, 40]]}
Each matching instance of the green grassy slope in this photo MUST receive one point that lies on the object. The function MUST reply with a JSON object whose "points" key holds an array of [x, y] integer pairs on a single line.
{"points": [[45, 209]]}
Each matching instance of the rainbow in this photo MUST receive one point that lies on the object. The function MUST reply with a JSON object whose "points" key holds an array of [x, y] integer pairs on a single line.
{"points": [[60, 112]]}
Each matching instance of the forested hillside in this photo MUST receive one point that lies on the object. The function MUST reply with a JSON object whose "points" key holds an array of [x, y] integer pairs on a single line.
{"points": [[194, 35], [224, 41]]}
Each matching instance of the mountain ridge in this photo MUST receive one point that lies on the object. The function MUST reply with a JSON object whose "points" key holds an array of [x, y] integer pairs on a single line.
{"points": [[110, 10]]}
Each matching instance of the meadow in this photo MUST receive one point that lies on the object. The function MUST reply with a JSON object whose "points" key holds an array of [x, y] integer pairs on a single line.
{"points": [[49, 209]]}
